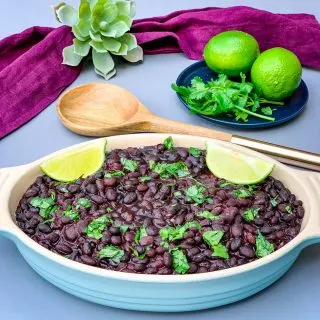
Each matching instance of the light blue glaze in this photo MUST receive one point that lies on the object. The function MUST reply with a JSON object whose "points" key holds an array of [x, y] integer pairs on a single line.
{"points": [[159, 297]]}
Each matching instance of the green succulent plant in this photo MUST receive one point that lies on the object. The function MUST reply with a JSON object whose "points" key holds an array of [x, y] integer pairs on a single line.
{"points": [[101, 25]]}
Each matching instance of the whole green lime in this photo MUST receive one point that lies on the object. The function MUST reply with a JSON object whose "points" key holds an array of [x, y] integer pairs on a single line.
{"points": [[231, 52], [276, 73]]}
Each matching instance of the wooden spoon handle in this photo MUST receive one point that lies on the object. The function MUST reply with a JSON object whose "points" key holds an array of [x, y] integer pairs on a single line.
{"points": [[162, 125], [286, 155]]}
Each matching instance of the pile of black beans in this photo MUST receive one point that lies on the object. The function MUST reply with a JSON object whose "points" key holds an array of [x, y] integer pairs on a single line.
{"points": [[153, 204]]}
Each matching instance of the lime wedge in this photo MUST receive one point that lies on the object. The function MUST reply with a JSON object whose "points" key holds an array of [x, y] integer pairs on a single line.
{"points": [[75, 164], [236, 167]]}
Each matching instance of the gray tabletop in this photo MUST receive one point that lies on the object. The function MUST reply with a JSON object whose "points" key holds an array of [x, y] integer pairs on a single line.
{"points": [[25, 295]]}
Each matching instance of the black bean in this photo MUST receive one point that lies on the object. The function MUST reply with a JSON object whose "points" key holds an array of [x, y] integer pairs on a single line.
{"points": [[32, 192], [63, 248], [266, 230], [88, 260], [116, 240], [236, 230], [130, 197], [111, 194], [44, 227], [235, 244], [145, 241], [247, 251]]}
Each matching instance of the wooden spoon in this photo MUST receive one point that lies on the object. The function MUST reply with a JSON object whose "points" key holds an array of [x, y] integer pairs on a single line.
{"points": [[99, 109]]}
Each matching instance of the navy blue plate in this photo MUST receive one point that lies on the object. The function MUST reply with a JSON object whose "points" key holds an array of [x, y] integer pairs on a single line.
{"points": [[292, 107]]}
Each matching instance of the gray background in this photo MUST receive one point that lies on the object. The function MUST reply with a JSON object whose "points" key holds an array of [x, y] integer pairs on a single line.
{"points": [[24, 295]]}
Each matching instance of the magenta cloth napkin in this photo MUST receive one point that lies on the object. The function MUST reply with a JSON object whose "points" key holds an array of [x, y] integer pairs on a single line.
{"points": [[32, 76], [189, 30]]}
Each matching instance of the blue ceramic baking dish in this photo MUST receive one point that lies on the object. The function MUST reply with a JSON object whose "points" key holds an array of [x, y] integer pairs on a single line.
{"points": [[165, 293]]}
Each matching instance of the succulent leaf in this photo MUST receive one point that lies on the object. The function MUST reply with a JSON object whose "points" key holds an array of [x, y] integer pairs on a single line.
{"points": [[126, 7], [102, 25], [134, 55], [70, 58], [95, 36], [102, 62], [122, 51], [66, 14], [128, 39], [119, 28], [77, 33], [111, 44], [84, 10], [81, 48], [98, 46], [106, 76]]}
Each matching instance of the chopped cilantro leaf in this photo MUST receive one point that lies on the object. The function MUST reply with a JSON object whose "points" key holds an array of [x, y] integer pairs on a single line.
{"points": [[96, 227], [194, 152], [130, 165], [145, 178], [274, 201], [288, 208], [263, 246], [108, 210], [111, 252], [177, 194], [136, 253], [124, 228], [142, 232], [84, 203], [195, 194], [208, 215], [64, 190], [212, 237], [72, 214], [179, 261], [241, 193], [177, 233], [168, 143], [250, 214], [46, 205], [114, 174], [219, 250], [177, 169]]}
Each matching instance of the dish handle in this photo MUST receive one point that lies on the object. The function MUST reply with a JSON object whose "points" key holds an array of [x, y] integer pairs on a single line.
{"points": [[4, 199], [312, 229]]}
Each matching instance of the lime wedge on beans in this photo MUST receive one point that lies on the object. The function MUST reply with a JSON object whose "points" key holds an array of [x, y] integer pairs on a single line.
{"points": [[72, 165], [236, 167]]}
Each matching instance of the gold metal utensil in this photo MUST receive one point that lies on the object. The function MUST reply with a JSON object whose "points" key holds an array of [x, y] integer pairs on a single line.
{"points": [[99, 109]]}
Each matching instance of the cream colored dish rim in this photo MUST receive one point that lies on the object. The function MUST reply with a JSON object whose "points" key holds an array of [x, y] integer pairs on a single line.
{"points": [[305, 182]]}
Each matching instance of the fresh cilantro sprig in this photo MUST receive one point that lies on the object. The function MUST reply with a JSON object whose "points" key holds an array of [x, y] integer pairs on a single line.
{"points": [[224, 96]]}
